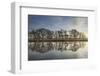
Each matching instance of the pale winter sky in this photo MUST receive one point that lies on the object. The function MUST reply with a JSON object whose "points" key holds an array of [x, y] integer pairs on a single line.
{"points": [[58, 22]]}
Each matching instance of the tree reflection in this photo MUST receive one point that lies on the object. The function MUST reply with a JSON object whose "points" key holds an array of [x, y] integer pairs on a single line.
{"points": [[43, 47]]}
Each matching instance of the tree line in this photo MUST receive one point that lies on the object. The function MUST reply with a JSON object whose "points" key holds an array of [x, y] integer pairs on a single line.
{"points": [[43, 33]]}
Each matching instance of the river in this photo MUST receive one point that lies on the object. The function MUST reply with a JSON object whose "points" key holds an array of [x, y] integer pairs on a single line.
{"points": [[57, 50]]}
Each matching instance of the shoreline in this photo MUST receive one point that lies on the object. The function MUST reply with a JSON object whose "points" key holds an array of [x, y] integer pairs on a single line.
{"points": [[57, 40]]}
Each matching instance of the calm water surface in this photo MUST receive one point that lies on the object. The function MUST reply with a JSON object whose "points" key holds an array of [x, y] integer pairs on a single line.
{"points": [[57, 50]]}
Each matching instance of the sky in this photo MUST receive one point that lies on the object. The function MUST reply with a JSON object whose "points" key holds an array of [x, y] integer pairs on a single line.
{"points": [[55, 23]]}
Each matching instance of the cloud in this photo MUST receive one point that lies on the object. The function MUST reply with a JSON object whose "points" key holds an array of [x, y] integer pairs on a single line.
{"points": [[81, 24], [58, 22]]}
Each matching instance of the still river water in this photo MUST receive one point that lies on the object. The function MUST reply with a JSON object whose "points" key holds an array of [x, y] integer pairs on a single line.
{"points": [[57, 50]]}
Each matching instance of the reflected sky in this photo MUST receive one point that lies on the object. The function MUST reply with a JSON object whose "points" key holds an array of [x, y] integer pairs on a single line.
{"points": [[57, 50]]}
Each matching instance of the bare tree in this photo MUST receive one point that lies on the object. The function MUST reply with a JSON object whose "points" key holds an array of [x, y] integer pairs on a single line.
{"points": [[74, 33]]}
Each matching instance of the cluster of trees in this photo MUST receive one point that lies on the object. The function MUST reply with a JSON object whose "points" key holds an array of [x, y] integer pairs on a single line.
{"points": [[43, 33]]}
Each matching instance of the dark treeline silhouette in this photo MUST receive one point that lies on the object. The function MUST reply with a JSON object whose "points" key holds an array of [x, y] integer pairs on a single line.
{"points": [[46, 34]]}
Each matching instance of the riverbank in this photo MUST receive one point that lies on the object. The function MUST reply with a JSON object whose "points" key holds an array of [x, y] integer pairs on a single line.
{"points": [[55, 40]]}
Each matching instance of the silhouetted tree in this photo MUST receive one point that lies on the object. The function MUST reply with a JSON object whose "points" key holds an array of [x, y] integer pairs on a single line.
{"points": [[74, 33]]}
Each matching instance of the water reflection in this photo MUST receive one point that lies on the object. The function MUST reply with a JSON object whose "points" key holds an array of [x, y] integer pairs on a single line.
{"points": [[57, 50], [44, 47]]}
